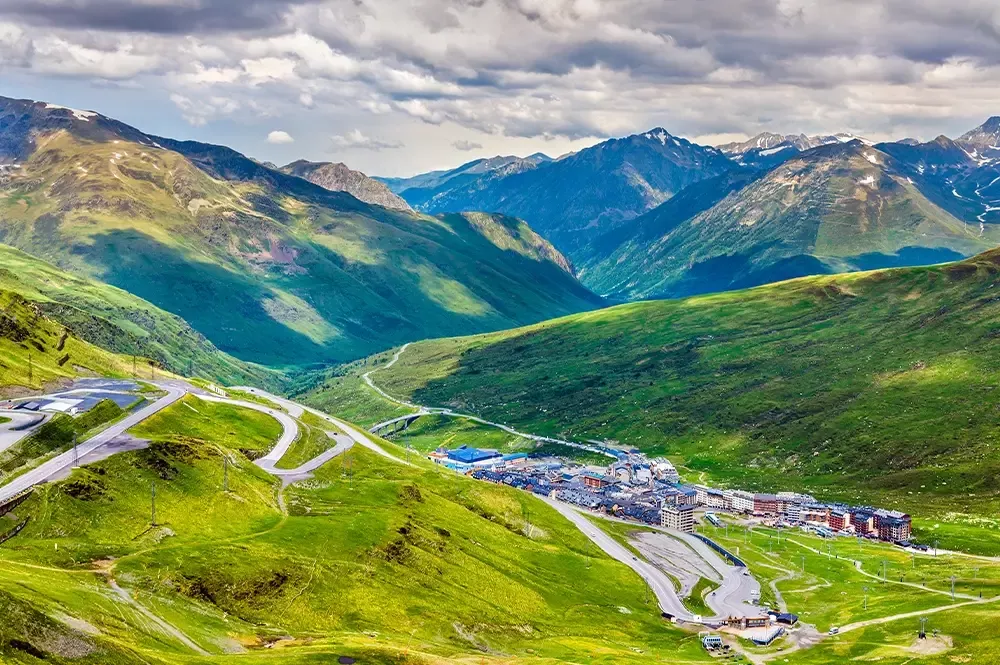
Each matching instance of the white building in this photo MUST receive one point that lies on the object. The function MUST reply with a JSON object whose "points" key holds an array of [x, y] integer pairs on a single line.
{"points": [[710, 497], [679, 518], [663, 469], [741, 501]]}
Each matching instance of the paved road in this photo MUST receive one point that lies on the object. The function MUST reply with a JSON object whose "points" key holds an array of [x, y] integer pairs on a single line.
{"points": [[661, 585], [290, 428], [354, 434], [734, 595], [22, 423], [455, 414], [371, 384], [732, 598], [60, 463]]}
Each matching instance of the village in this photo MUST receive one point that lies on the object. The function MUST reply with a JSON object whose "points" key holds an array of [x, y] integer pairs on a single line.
{"points": [[650, 491]]}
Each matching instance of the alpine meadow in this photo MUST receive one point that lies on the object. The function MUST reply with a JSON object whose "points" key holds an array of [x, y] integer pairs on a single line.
{"points": [[614, 332]]}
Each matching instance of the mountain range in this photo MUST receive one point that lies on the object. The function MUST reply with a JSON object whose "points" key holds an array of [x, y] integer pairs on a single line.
{"points": [[267, 266], [315, 263], [654, 215]]}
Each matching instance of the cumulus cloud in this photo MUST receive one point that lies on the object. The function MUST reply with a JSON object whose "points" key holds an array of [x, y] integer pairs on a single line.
{"points": [[279, 137], [541, 69], [355, 140], [466, 146]]}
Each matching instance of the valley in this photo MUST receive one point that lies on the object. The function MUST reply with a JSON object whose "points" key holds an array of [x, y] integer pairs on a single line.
{"points": [[865, 384], [302, 415], [236, 559], [297, 274]]}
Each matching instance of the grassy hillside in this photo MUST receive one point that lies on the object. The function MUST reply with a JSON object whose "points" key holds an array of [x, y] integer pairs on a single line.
{"points": [[120, 322], [864, 384], [36, 351], [832, 209], [369, 559], [268, 267], [575, 199]]}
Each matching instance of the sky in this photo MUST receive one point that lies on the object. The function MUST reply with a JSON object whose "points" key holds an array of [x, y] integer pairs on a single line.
{"points": [[397, 87]]}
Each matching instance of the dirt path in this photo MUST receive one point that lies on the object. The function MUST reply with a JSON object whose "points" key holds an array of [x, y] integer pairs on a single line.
{"points": [[860, 569], [166, 627], [911, 615], [371, 384]]}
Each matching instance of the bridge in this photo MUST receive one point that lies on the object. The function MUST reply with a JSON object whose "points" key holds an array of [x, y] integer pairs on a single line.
{"points": [[392, 427]]}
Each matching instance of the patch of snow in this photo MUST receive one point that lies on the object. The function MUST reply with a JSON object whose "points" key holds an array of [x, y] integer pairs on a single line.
{"points": [[771, 151], [871, 158], [157, 145], [82, 170], [660, 135], [910, 180], [868, 180], [79, 115], [920, 169], [955, 193]]}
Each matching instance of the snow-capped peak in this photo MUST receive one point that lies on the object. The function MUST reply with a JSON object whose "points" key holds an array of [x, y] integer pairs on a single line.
{"points": [[79, 115], [658, 134]]}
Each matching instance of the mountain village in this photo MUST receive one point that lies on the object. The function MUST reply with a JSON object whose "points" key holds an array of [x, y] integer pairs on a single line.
{"points": [[650, 491]]}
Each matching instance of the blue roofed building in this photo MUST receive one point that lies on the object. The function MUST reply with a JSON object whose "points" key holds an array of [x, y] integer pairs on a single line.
{"points": [[468, 455]]}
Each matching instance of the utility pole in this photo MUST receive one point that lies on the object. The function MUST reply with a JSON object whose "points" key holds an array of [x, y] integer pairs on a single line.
{"points": [[923, 627], [225, 473], [884, 570], [135, 372], [803, 558], [30, 372], [152, 503], [953, 588], [865, 589], [935, 547]]}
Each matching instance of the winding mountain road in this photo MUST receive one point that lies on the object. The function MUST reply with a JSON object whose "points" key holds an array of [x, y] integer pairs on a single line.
{"points": [[20, 425], [289, 428], [733, 597], [356, 436], [658, 581], [60, 463], [427, 410]]}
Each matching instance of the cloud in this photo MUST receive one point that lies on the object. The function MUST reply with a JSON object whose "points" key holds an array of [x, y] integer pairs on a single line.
{"points": [[204, 16], [199, 112], [355, 140], [566, 70], [466, 146], [279, 137]]}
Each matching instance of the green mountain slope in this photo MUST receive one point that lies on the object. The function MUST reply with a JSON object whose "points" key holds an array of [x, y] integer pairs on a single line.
{"points": [[36, 350], [832, 209], [117, 321], [267, 266], [370, 560], [879, 380], [573, 200]]}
